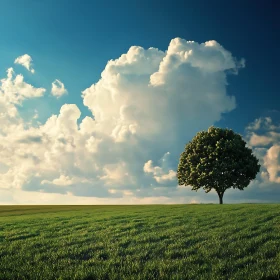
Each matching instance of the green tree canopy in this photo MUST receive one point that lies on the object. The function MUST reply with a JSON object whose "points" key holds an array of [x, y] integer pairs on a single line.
{"points": [[217, 159]]}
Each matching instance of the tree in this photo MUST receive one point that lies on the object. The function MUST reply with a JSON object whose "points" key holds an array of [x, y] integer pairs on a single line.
{"points": [[217, 159]]}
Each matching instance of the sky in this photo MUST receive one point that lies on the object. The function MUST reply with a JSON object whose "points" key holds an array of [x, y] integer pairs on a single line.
{"points": [[99, 98]]}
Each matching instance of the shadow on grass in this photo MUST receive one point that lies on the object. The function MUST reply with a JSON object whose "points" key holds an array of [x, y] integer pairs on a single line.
{"points": [[270, 278], [22, 237]]}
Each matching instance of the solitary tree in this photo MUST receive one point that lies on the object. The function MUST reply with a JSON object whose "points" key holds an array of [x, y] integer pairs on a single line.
{"points": [[217, 159]]}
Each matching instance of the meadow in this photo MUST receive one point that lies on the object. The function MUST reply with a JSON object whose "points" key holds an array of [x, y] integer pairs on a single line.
{"points": [[240, 241]]}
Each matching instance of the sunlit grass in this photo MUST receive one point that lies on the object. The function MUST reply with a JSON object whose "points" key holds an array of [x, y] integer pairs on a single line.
{"points": [[140, 242]]}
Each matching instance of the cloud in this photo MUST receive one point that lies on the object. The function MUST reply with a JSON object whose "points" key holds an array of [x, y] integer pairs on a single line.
{"points": [[264, 123], [14, 89], [147, 93], [146, 106], [161, 174], [26, 61], [209, 57], [61, 181], [264, 138], [260, 140], [272, 163], [58, 88]]}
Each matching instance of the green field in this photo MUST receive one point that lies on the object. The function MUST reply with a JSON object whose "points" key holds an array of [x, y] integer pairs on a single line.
{"points": [[140, 242]]}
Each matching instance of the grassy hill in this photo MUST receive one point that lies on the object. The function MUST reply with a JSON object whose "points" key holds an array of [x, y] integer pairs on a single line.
{"points": [[140, 242]]}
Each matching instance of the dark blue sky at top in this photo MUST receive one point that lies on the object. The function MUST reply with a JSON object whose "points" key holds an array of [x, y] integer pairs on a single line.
{"points": [[73, 40]]}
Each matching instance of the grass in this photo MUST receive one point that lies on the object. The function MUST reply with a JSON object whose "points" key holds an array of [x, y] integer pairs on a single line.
{"points": [[140, 242]]}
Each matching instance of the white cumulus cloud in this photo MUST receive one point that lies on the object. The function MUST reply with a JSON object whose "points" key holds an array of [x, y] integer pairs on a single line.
{"points": [[58, 88], [161, 174], [61, 181], [14, 89], [26, 61], [264, 138], [147, 104]]}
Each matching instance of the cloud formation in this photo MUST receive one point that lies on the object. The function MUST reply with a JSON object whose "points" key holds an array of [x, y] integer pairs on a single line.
{"points": [[146, 106], [162, 174], [26, 61], [14, 89], [58, 89], [264, 138]]}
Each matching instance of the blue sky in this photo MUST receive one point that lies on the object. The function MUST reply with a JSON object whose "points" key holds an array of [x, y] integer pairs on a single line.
{"points": [[72, 41]]}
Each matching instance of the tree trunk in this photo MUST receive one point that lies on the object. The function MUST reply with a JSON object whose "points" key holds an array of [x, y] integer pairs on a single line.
{"points": [[221, 197]]}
